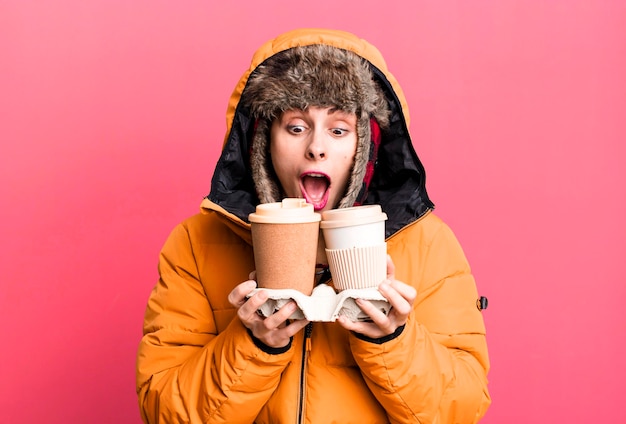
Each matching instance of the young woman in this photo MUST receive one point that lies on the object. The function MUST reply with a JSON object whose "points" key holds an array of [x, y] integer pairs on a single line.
{"points": [[317, 116]]}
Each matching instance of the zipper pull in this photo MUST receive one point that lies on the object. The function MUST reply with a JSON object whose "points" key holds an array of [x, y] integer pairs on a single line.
{"points": [[308, 330]]}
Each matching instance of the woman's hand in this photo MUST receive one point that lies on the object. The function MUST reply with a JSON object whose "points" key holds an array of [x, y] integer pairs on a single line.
{"points": [[400, 296], [274, 331]]}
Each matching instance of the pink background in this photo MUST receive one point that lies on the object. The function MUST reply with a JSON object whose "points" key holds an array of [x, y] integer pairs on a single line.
{"points": [[112, 116]]}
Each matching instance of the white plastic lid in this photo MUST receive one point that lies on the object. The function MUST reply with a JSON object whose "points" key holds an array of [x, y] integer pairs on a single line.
{"points": [[289, 211], [356, 215]]}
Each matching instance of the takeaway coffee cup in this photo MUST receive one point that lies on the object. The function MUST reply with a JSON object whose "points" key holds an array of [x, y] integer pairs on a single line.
{"points": [[284, 240], [355, 246]]}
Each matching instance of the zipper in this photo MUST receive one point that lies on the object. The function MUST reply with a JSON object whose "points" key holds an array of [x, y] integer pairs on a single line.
{"points": [[428, 211], [306, 348]]}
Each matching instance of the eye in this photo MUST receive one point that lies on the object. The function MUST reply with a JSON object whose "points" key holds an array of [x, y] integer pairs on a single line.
{"points": [[338, 132], [296, 129]]}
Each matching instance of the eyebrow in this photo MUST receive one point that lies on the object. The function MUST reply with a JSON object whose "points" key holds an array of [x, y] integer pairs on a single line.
{"points": [[332, 110]]}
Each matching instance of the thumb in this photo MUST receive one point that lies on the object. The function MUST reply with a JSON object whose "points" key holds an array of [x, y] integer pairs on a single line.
{"points": [[391, 269]]}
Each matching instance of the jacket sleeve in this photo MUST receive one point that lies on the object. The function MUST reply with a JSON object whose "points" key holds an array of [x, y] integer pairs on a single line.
{"points": [[186, 372], [435, 371]]}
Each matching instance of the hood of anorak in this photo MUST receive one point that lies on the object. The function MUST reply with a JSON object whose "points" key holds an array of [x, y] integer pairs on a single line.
{"points": [[398, 181]]}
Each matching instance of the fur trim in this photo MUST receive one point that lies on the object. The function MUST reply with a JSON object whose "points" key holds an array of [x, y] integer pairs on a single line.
{"points": [[265, 179], [316, 75]]}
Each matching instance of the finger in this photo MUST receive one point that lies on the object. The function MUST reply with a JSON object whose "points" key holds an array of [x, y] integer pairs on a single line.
{"points": [[295, 326], [249, 309], [377, 316], [280, 316], [395, 298], [366, 328], [280, 337], [252, 275], [237, 297], [348, 324], [406, 291]]}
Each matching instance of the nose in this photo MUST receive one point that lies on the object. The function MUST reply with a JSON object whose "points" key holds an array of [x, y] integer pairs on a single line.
{"points": [[317, 147]]}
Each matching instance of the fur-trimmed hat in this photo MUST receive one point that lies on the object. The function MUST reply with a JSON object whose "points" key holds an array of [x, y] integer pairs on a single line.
{"points": [[314, 75]]}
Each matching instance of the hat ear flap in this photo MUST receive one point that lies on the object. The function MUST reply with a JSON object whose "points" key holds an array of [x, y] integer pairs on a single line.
{"points": [[375, 138], [367, 165], [263, 175], [361, 160]]}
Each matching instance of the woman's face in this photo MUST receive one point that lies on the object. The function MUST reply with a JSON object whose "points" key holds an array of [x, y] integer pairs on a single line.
{"points": [[313, 152]]}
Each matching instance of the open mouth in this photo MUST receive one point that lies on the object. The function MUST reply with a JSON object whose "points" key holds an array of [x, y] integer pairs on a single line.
{"points": [[314, 188]]}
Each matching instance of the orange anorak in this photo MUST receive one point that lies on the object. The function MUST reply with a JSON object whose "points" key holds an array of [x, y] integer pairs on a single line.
{"points": [[198, 363]]}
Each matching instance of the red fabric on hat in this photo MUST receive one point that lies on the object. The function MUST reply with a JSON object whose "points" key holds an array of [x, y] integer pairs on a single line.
{"points": [[369, 168]]}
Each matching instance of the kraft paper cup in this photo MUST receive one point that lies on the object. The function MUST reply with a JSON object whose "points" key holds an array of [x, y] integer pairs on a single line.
{"points": [[284, 240], [355, 246]]}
